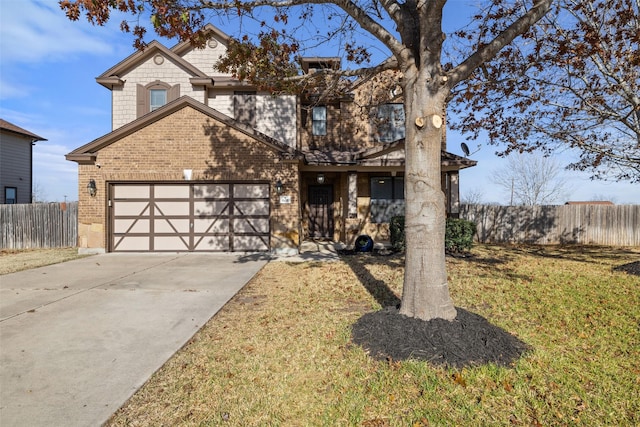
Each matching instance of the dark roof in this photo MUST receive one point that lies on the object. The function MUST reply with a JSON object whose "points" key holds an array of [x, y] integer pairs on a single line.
{"points": [[5, 125], [317, 157], [374, 157]]}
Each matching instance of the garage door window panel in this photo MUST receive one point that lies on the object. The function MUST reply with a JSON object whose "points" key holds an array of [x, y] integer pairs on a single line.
{"points": [[253, 191], [171, 192], [211, 191], [131, 192]]}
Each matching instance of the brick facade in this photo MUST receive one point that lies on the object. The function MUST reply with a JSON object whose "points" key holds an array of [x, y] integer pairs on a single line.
{"points": [[188, 139]]}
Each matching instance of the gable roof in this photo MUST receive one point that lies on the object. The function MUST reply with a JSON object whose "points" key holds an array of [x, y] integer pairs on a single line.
{"points": [[183, 47], [10, 127], [111, 77], [88, 152]]}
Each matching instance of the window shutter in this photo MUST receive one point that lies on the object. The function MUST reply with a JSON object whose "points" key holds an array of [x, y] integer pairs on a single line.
{"points": [[142, 101], [173, 93]]}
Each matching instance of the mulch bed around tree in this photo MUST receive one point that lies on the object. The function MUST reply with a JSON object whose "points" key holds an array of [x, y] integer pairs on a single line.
{"points": [[630, 268], [468, 340]]}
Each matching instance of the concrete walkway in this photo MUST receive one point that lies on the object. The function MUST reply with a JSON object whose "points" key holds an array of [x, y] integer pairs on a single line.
{"points": [[316, 250], [77, 339]]}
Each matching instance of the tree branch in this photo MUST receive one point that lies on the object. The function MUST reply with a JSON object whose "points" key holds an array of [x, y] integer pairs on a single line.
{"points": [[490, 50], [349, 7]]}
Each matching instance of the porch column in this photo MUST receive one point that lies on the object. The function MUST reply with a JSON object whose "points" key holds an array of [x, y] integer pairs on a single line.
{"points": [[352, 188], [454, 191]]}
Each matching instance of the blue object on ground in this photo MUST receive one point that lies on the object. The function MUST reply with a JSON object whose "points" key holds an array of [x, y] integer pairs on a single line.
{"points": [[364, 243]]}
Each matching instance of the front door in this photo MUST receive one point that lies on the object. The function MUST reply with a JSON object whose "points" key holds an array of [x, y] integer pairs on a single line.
{"points": [[321, 211]]}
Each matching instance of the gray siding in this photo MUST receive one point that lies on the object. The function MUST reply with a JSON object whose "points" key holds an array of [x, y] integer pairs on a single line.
{"points": [[15, 165]]}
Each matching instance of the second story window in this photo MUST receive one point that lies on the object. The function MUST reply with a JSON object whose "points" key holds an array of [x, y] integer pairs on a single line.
{"points": [[155, 95], [158, 98], [244, 107], [319, 121], [389, 123]]}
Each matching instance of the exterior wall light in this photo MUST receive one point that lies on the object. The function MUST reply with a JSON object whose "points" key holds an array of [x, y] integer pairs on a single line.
{"points": [[320, 178], [279, 187], [91, 188]]}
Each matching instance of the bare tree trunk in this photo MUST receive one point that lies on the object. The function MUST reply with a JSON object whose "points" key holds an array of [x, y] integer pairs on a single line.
{"points": [[426, 292]]}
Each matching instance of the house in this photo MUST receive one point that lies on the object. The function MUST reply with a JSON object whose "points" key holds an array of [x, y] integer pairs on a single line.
{"points": [[199, 161], [16, 166]]}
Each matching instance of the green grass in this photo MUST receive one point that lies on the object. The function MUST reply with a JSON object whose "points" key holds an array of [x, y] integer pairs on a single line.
{"points": [[280, 352]]}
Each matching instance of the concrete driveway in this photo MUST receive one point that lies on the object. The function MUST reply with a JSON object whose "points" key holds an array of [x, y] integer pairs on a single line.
{"points": [[78, 339]]}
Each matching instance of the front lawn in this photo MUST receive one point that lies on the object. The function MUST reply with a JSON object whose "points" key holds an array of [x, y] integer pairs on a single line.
{"points": [[282, 352]]}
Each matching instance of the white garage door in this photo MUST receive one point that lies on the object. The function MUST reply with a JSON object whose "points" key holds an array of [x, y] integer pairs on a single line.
{"points": [[178, 217]]}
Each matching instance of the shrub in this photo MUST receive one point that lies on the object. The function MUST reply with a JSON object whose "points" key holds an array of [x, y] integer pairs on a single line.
{"points": [[396, 231], [458, 234]]}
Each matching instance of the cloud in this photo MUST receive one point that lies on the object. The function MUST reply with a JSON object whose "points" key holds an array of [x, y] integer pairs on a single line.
{"points": [[36, 31], [55, 176], [13, 90]]}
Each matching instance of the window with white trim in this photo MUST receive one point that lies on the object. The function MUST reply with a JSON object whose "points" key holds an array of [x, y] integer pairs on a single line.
{"points": [[157, 98], [155, 95], [319, 120]]}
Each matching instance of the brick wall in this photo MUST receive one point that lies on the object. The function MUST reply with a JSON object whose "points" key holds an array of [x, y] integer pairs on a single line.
{"points": [[188, 139]]}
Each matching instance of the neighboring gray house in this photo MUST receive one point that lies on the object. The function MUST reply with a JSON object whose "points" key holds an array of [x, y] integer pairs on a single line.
{"points": [[16, 169]]}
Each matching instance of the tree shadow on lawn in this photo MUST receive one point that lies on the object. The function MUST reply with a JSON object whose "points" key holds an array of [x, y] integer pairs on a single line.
{"points": [[468, 340]]}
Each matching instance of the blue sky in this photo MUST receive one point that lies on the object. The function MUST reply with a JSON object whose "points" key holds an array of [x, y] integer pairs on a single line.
{"points": [[48, 66]]}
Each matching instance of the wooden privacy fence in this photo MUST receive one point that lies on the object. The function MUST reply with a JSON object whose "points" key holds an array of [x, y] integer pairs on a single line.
{"points": [[39, 225], [571, 224]]}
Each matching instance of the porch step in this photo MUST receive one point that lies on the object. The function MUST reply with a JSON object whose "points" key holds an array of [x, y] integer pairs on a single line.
{"points": [[321, 246]]}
